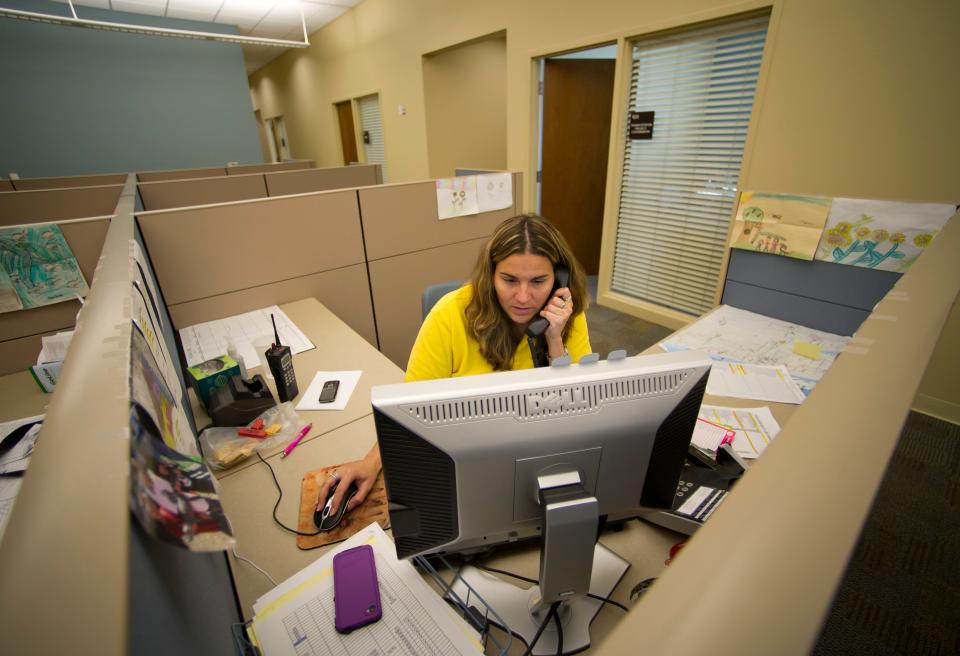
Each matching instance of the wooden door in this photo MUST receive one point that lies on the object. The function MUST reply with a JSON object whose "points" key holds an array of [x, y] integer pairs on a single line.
{"points": [[348, 135], [577, 102]]}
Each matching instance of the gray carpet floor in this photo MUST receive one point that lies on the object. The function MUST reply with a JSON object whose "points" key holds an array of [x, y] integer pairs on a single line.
{"points": [[611, 330], [900, 595]]}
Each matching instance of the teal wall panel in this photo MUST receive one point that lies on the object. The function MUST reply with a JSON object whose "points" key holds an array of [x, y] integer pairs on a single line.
{"points": [[79, 100]]}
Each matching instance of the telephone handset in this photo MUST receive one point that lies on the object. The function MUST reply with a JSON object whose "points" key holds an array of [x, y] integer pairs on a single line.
{"points": [[561, 278]]}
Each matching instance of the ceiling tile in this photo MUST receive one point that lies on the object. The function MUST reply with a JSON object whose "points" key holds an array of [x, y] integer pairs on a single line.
{"points": [[149, 7], [99, 4], [204, 10]]}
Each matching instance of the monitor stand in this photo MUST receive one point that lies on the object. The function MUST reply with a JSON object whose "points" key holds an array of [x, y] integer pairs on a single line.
{"points": [[571, 564]]}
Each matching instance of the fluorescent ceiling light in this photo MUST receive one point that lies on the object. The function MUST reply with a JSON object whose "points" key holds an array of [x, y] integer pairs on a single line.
{"points": [[157, 31]]}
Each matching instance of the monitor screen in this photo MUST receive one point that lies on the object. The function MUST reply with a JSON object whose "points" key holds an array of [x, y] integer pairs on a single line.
{"points": [[462, 457]]}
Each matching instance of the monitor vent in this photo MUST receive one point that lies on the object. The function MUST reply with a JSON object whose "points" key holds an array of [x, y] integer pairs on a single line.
{"points": [[421, 477], [670, 448], [547, 402]]}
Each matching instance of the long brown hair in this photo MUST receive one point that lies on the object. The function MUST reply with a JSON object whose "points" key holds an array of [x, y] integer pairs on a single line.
{"points": [[486, 320]]}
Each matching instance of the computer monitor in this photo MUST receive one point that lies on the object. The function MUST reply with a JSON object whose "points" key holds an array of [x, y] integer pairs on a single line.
{"points": [[477, 461]]}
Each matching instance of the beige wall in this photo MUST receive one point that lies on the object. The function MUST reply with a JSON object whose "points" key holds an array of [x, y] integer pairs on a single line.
{"points": [[939, 392], [465, 102], [856, 98]]}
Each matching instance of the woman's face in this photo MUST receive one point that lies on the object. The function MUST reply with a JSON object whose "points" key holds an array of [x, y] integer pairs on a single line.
{"points": [[523, 282]]}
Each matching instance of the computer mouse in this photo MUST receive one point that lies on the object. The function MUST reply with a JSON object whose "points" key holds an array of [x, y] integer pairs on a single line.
{"points": [[329, 518]]}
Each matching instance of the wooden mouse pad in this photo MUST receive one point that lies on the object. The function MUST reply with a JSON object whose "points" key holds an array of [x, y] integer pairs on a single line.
{"points": [[373, 509]]}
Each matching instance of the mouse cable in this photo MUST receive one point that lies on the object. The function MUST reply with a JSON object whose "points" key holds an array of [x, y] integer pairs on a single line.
{"points": [[279, 499], [605, 600]]}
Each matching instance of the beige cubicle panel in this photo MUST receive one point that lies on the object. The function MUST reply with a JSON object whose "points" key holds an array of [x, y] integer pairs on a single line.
{"points": [[165, 194], [410, 248], [230, 258], [18, 207], [293, 165], [20, 331], [30, 184], [6, 185], [780, 543], [398, 283], [344, 291], [181, 174], [403, 218], [65, 551], [299, 182]]}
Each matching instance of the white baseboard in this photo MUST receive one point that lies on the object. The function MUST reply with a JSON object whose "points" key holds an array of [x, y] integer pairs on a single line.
{"points": [[938, 408]]}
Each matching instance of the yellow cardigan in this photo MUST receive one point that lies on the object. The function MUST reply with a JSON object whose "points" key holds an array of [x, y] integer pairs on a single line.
{"points": [[444, 348]]}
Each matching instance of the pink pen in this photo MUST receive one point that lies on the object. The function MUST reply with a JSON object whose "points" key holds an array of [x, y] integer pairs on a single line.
{"points": [[296, 440]]}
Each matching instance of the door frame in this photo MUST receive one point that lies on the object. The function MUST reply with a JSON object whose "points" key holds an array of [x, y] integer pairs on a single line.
{"points": [[354, 99]]}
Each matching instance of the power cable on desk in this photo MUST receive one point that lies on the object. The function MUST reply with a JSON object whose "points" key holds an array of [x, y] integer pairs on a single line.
{"points": [[605, 600], [237, 555], [552, 613]]}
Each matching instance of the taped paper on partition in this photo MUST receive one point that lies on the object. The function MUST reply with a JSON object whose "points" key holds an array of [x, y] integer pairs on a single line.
{"points": [[879, 234], [494, 191], [457, 197], [37, 268]]}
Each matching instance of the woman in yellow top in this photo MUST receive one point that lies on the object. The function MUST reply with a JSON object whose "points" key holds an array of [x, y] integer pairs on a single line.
{"points": [[479, 328]]}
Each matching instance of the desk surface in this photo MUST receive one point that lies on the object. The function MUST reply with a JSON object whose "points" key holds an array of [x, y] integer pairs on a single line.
{"points": [[248, 492], [21, 397]]}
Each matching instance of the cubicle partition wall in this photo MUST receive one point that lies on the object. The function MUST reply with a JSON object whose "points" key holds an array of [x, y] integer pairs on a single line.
{"points": [[309, 180], [280, 249], [40, 205], [167, 194], [83, 216], [409, 248], [219, 260], [181, 174], [78, 575], [291, 165], [823, 295], [780, 543], [21, 331], [30, 184], [213, 171]]}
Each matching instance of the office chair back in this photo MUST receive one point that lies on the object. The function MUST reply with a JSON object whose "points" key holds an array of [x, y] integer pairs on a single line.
{"points": [[433, 293]]}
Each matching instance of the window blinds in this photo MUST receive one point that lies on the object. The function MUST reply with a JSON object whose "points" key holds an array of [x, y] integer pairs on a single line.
{"points": [[370, 123], [678, 188]]}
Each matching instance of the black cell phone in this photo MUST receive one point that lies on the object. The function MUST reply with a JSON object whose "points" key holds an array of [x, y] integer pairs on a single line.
{"points": [[329, 391], [280, 361], [561, 278]]}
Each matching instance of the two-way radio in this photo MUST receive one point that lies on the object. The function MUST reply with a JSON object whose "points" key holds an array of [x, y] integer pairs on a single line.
{"points": [[280, 361]]}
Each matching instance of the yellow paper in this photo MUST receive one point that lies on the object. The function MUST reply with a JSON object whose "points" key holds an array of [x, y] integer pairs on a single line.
{"points": [[807, 350]]}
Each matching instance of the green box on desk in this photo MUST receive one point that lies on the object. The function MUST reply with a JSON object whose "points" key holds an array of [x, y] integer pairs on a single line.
{"points": [[208, 376]]}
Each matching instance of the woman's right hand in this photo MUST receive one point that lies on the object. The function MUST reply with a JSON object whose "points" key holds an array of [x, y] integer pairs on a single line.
{"points": [[362, 472]]}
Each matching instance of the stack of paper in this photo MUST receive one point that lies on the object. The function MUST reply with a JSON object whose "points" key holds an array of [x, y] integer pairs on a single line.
{"points": [[14, 462], [297, 617], [753, 428], [205, 341]]}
